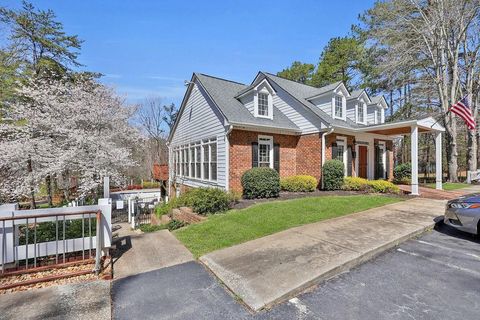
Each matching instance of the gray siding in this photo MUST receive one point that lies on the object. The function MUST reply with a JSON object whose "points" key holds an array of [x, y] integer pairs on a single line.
{"points": [[324, 103], [371, 114], [351, 110], [199, 120], [294, 111], [247, 101]]}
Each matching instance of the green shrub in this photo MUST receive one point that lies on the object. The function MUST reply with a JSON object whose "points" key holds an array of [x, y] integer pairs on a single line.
{"points": [[234, 197], [355, 184], [152, 228], [402, 173], [300, 183], [360, 184], [176, 224], [260, 183], [205, 200], [151, 185], [382, 186], [333, 174]]}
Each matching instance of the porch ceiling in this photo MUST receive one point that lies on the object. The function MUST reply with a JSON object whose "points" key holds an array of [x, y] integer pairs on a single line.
{"points": [[396, 131], [405, 127]]}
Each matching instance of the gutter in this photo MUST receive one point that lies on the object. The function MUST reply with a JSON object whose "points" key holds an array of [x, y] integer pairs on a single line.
{"points": [[323, 150]]}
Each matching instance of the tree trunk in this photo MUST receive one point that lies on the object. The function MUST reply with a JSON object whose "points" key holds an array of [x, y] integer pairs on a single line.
{"points": [[471, 150], [48, 183], [33, 204], [451, 138]]}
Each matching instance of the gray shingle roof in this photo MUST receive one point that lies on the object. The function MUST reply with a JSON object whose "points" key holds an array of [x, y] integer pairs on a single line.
{"points": [[376, 99], [302, 93], [223, 93]]}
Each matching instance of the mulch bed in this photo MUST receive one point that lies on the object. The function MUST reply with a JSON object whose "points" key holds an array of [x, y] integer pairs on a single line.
{"points": [[74, 273], [245, 203]]}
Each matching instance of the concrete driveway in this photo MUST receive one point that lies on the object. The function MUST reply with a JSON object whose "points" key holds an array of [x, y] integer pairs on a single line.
{"points": [[270, 269], [433, 277]]}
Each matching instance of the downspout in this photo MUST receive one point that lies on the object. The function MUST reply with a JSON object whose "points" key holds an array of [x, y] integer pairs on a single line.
{"points": [[331, 129], [227, 158]]}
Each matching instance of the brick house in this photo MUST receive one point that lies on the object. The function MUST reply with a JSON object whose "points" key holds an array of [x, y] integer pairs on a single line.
{"points": [[225, 128]]}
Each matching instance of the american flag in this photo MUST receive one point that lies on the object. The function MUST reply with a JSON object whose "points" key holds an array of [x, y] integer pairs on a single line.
{"points": [[462, 109]]}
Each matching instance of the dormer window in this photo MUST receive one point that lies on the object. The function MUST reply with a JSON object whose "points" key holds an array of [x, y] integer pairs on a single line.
{"points": [[338, 107], [379, 115], [263, 104], [361, 113], [263, 101]]}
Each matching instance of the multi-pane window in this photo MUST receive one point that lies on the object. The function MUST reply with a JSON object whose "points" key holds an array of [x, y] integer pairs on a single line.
{"points": [[360, 113], [187, 161], [213, 161], [177, 161], [379, 116], [264, 152], [206, 160], [198, 161], [192, 161], [338, 106], [338, 152], [263, 104]]}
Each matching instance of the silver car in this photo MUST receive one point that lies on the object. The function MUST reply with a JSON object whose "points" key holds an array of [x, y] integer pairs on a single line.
{"points": [[464, 213]]}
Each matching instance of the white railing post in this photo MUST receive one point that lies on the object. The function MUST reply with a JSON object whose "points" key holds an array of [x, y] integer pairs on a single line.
{"points": [[414, 153]]}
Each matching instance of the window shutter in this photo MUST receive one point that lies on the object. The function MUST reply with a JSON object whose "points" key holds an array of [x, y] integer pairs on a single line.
{"points": [[276, 157], [254, 154], [349, 161]]}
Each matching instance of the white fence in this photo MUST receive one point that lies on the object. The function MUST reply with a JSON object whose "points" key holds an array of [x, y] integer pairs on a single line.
{"points": [[11, 252]]}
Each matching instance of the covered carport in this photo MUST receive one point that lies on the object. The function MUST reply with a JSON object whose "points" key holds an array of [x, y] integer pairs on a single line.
{"points": [[414, 128]]}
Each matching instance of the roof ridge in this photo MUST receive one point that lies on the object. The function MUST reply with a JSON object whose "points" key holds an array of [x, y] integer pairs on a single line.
{"points": [[271, 74], [218, 78]]}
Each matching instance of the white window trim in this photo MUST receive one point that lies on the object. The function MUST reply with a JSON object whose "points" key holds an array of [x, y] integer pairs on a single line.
{"points": [[363, 106], [267, 140], [270, 103], [179, 153], [344, 107], [343, 142]]}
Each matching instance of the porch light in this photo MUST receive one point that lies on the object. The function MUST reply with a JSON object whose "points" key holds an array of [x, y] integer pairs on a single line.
{"points": [[334, 144]]}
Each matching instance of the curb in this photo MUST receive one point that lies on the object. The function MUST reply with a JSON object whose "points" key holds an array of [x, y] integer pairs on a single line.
{"points": [[335, 271]]}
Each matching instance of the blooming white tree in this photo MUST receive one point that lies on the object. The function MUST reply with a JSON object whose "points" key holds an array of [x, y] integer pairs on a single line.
{"points": [[64, 128]]}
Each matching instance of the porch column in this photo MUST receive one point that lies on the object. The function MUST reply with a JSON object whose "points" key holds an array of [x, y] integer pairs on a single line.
{"points": [[438, 161], [414, 152]]}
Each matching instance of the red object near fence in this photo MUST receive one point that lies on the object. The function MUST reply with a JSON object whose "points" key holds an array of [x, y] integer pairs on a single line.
{"points": [[160, 172]]}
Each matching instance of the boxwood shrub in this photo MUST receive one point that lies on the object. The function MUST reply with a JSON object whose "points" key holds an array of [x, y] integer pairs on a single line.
{"points": [[300, 183], [205, 200], [403, 173], [260, 183], [333, 174], [360, 184]]}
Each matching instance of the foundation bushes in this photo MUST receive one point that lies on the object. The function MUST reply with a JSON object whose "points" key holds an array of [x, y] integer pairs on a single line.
{"points": [[333, 174], [378, 186], [355, 184], [260, 183], [402, 173], [300, 183], [202, 201]]}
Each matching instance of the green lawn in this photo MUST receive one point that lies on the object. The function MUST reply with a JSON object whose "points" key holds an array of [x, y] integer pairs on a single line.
{"points": [[237, 226], [449, 186]]}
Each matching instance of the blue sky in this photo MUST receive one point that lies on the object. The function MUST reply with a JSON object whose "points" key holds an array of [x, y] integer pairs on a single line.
{"points": [[148, 48]]}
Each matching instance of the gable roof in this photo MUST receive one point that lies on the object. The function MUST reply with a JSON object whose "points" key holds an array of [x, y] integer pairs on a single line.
{"points": [[302, 93], [223, 93]]}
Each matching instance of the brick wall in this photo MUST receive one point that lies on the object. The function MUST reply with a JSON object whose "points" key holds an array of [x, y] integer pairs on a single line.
{"points": [[309, 155], [241, 154], [331, 138]]}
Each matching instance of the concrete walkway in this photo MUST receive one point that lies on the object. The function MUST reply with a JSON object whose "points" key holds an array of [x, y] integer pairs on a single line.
{"points": [[88, 300], [142, 252], [270, 269]]}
